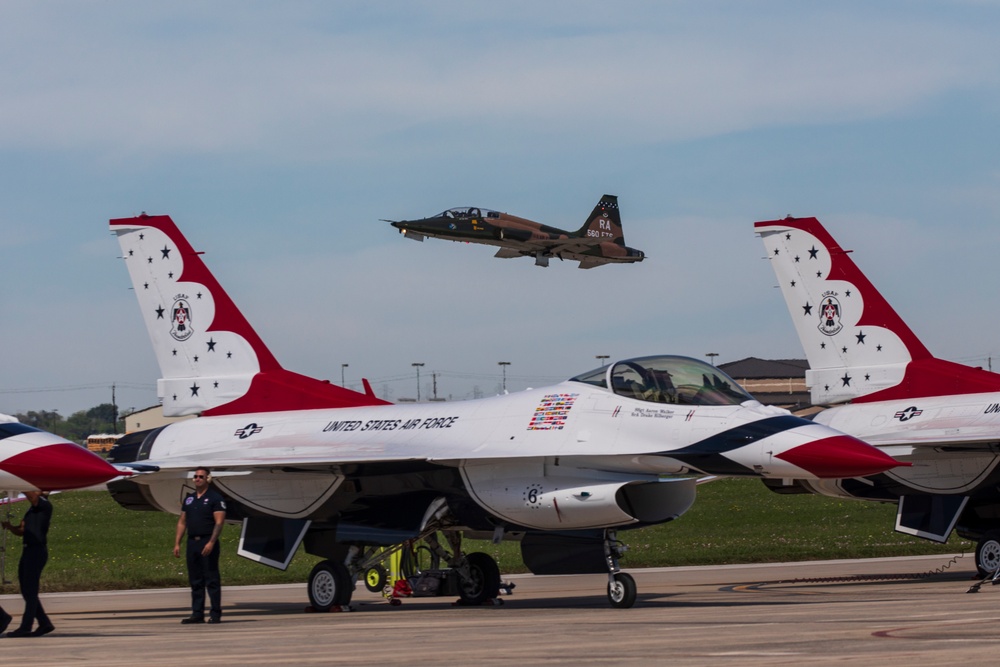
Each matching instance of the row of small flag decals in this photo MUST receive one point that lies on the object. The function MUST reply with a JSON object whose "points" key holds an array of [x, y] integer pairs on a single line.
{"points": [[550, 415]]}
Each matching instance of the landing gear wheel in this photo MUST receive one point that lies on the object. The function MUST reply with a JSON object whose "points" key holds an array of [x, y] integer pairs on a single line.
{"points": [[988, 553], [621, 591], [329, 585], [375, 578], [484, 580]]}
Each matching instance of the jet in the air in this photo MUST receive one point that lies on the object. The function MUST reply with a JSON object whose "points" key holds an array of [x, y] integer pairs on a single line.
{"points": [[599, 241]]}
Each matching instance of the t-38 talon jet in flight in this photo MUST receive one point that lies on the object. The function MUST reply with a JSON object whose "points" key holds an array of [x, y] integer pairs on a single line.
{"points": [[941, 416], [599, 241], [33, 460], [345, 473]]}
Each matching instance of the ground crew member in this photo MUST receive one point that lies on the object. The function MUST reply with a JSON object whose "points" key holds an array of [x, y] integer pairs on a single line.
{"points": [[202, 515], [34, 530]]}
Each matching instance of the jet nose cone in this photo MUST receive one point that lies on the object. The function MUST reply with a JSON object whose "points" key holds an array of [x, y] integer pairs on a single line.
{"points": [[839, 456], [58, 466]]}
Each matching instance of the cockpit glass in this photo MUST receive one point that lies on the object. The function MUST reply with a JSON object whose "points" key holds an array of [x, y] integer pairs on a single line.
{"points": [[468, 213], [669, 379]]}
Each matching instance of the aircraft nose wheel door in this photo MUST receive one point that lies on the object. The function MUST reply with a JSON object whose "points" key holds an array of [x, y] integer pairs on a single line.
{"points": [[330, 585], [621, 585]]}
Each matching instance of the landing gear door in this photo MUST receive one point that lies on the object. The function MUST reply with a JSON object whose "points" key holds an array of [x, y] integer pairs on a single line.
{"points": [[929, 516], [271, 540]]}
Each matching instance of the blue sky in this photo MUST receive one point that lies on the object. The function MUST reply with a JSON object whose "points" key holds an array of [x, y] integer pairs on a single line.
{"points": [[278, 134]]}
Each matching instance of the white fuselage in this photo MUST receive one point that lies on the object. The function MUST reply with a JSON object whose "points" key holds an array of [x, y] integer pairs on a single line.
{"points": [[952, 441]]}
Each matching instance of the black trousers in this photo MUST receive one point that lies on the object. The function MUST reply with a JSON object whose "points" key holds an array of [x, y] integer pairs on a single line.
{"points": [[203, 574], [29, 577]]}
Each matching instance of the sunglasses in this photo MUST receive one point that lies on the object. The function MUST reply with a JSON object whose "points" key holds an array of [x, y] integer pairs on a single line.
{"points": [[199, 477]]}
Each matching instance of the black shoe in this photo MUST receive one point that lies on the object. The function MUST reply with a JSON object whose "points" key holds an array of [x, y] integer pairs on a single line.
{"points": [[20, 632], [215, 619], [192, 619], [43, 630], [5, 620]]}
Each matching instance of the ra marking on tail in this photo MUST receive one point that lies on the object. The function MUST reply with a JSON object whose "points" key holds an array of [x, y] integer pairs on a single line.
{"points": [[858, 347], [212, 360]]}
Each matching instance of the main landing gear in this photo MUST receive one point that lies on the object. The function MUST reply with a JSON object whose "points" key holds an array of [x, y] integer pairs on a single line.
{"points": [[988, 553], [474, 578], [621, 585]]}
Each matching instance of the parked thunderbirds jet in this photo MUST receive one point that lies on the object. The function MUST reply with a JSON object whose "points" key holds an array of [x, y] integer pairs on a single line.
{"points": [[599, 241], [941, 416], [33, 460], [561, 468]]}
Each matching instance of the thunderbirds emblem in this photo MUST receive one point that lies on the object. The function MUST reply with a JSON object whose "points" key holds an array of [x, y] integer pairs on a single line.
{"points": [[180, 318], [829, 315]]}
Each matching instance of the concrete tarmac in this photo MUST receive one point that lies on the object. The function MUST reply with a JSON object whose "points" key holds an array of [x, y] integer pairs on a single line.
{"points": [[898, 611]]}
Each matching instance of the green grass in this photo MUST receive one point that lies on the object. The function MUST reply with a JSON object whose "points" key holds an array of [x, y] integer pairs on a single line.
{"points": [[96, 545]]}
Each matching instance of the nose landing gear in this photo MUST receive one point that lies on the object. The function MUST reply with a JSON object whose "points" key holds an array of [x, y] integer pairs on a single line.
{"points": [[621, 585]]}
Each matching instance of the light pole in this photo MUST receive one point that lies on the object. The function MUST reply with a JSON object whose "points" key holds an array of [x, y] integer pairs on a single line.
{"points": [[503, 366], [417, 365], [342, 367], [604, 358], [711, 356]]}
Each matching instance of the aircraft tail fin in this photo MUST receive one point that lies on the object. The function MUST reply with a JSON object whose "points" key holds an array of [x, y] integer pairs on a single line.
{"points": [[604, 222], [858, 347], [212, 361]]}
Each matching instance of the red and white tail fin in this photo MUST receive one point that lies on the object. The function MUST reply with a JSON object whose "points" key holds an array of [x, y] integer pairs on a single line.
{"points": [[858, 347], [212, 360]]}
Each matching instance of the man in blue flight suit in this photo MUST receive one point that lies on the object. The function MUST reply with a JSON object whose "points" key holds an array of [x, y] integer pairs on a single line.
{"points": [[202, 515], [34, 529]]}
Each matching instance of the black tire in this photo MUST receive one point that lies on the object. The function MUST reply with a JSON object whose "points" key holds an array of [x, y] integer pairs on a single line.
{"points": [[621, 591], [484, 580], [330, 585], [988, 553], [375, 578]]}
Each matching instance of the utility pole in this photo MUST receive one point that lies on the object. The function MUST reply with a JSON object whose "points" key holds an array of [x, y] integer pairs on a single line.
{"points": [[114, 406], [604, 358], [342, 367], [503, 365], [417, 365]]}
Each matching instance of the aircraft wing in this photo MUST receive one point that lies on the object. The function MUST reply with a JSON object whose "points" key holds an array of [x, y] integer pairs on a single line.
{"points": [[935, 438]]}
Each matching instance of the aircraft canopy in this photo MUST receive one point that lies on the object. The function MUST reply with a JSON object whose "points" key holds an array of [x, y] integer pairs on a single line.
{"points": [[668, 379], [469, 212]]}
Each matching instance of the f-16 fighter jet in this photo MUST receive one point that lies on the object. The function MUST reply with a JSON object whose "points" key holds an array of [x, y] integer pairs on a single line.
{"points": [[561, 468], [33, 460], [885, 387]]}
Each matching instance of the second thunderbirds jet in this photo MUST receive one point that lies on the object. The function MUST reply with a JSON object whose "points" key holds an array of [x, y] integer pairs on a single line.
{"points": [[34, 460], [599, 241], [889, 390], [560, 468]]}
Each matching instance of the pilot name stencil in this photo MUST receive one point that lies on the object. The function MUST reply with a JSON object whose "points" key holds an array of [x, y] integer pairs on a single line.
{"points": [[655, 413]]}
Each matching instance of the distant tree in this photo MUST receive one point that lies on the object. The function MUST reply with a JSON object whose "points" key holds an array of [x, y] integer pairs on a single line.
{"points": [[47, 420], [105, 412], [78, 426]]}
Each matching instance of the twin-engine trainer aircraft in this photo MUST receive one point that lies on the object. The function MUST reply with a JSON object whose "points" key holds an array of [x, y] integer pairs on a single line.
{"points": [[599, 241], [33, 460], [941, 416], [345, 473]]}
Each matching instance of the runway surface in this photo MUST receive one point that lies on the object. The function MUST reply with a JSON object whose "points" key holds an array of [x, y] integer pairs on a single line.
{"points": [[880, 611]]}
